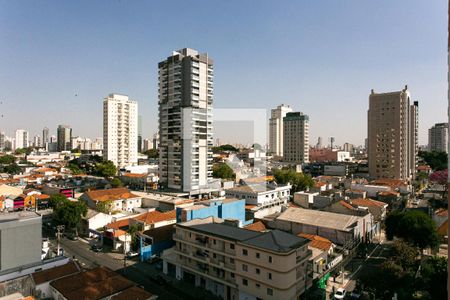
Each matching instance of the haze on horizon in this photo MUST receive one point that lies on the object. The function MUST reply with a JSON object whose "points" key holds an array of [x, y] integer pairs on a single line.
{"points": [[59, 59]]}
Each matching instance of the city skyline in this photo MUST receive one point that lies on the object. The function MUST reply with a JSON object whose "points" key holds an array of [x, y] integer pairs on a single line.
{"points": [[69, 69]]}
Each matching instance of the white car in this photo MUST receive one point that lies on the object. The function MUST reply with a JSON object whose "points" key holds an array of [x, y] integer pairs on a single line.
{"points": [[340, 293]]}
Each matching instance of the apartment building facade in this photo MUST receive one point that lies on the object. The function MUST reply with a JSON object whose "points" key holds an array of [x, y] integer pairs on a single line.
{"points": [[236, 263], [22, 138], [276, 129], [185, 121], [120, 127], [438, 137], [296, 138], [392, 135], [64, 135]]}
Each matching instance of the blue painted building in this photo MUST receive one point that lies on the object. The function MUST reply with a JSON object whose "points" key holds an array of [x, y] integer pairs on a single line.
{"points": [[219, 208], [155, 241]]}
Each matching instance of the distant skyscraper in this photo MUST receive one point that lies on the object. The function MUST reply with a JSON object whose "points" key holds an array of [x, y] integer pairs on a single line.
{"points": [[64, 133], [120, 130], [45, 136], [2, 141], [147, 144], [156, 141], [37, 141], [139, 140], [392, 135], [296, 138], [319, 142], [22, 138], [276, 129], [185, 120], [438, 137]]}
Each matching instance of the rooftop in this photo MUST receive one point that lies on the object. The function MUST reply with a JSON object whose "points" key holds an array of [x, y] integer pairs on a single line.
{"points": [[257, 226], [95, 284], [319, 218], [366, 202], [111, 194], [132, 293], [317, 241], [156, 216], [275, 240], [20, 215], [55, 273]]}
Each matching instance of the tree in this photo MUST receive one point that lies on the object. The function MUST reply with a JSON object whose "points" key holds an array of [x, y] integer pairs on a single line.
{"points": [[434, 277], [57, 200], [441, 178], [12, 169], [414, 227], [116, 182], [7, 159], [224, 171], [299, 181], [105, 169], [70, 214], [133, 231], [257, 146], [223, 148], [405, 255], [152, 153], [75, 169], [104, 206], [436, 160]]}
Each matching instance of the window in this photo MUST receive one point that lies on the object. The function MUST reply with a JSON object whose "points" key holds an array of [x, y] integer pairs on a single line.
{"points": [[269, 292], [231, 260], [214, 242], [258, 285], [244, 268], [258, 271], [244, 252], [257, 255], [231, 246], [269, 275], [232, 275], [244, 282], [270, 259]]}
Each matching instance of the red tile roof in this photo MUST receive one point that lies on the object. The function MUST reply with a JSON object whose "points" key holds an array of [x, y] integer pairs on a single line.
{"points": [[95, 284], [156, 216], [441, 212], [317, 241], [395, 183], [443, 229], [111, 194], [366, 202], [257, 226], [119, 224], [55, 273], [345, 204], [133, 175]]}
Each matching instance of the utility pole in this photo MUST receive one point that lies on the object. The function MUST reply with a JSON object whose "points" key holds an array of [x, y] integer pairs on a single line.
{"points": [[59, 228]]}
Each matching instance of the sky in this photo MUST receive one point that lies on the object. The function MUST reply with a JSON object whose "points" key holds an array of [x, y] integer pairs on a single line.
{"points": [[59, 59]]}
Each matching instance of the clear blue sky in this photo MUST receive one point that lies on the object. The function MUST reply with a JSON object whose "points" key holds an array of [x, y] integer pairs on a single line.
{"points": [[321, 57]]}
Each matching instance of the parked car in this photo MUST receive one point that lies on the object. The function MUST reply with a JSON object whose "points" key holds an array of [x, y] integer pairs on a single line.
{"points": [[96, 248], [340, 293], [131, 254]]}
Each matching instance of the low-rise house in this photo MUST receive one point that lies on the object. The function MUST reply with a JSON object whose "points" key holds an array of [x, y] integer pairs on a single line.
{"points": [[320, 186], [321, 249], [154, 219], [119, 198], [95, 284], [341, 229], [261, 199], [376, 208], [43, 278], [94, 220], [236, 263], [257, 226], [154, 241], [163, 202], [311, 199], [7, 190], [47, 172], [355, 194]]}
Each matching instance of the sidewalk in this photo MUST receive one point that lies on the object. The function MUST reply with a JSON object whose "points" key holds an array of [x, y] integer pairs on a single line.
{"points": [[337, 283]]}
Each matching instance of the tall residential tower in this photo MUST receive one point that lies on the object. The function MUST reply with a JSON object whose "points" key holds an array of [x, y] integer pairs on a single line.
{"points": [[296, 138], [64, 134], [392, 135], [438, 137], [276, 129], [120, 129], [185, 121]]}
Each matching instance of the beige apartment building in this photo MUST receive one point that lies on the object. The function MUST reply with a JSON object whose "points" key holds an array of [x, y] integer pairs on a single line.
{"points": [[392, 135], [276, 129], [236, 263], [296, 138]]}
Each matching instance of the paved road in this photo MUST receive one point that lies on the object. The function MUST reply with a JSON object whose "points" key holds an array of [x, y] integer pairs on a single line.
{"points": [[89, 258]]}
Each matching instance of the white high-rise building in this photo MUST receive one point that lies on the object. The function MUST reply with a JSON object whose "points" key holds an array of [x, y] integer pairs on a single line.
{"points": [[120, 129], [22, 138], [37, 141], [185, 121], [438, 137], [276, 128], [2, 140]]}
